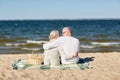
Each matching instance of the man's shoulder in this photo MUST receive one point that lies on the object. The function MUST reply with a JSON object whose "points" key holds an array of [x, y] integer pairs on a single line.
{"points": [[74, 38]]}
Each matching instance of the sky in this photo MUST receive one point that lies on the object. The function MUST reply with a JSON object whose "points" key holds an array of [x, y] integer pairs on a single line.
{"points": [[59, 9]]}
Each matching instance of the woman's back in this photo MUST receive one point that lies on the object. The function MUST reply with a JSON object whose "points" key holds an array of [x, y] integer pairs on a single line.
{"points": [[52, 53]]}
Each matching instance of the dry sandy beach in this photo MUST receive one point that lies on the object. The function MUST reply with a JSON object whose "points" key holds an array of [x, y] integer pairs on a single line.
{"points": [[106, 66]]}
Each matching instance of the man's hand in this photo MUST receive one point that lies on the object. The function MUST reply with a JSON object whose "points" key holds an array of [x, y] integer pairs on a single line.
{"points": [[75, 55]]}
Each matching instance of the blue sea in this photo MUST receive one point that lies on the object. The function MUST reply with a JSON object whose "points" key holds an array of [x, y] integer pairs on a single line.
{"points": [[24, 36]]}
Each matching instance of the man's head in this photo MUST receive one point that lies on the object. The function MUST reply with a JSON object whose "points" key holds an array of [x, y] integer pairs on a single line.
{"points": [[66, 31]]}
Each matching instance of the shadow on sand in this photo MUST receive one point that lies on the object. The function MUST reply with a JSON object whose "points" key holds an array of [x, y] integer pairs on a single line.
{"points": [[87, 59]]}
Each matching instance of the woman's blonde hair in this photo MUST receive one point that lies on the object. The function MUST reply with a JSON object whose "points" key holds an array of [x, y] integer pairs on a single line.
{"points": [[53, 34]]}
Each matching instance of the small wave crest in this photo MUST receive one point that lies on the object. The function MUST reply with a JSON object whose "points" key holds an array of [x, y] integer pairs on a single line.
{"points": [[26, 43], [36, 42], [87, 46], [15, 44], [31, 48], [105, 43]]}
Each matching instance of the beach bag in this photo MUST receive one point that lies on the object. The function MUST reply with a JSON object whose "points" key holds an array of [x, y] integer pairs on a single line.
{"points": [[34, 58]]}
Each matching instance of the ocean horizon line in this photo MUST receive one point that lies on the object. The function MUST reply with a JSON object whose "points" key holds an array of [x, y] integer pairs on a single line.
{"points": [[59, 19]]}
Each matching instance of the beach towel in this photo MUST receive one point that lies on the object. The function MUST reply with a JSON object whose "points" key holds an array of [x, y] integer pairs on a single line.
{"points": [[22, 64]]}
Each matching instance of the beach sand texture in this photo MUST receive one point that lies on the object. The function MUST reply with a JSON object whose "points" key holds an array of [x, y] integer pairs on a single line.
{"points": [[106, 66]]}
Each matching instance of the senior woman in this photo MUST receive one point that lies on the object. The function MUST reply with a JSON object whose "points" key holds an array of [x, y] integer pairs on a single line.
{"points": [[52, 56]]}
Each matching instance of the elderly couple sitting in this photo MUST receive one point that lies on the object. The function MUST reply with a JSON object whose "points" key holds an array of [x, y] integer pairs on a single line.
{"points": [[62, 49]]}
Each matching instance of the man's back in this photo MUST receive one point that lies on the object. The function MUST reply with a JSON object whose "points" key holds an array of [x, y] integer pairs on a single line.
{"points": [[71, 46]]}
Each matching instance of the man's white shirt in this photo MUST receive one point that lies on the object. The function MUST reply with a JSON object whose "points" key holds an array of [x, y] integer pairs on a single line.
{"points": [[70, 45]]}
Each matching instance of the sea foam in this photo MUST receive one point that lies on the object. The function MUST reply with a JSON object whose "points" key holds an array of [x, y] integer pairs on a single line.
{"points": [[32, 49], [87, 46], [105, 43], [15, 44], [36, 42]]}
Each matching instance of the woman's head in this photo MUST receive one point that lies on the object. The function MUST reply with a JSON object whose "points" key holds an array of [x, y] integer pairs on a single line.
{"points": [[54, 34]]}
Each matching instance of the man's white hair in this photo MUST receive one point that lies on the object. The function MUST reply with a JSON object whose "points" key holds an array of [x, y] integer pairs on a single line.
{"points": [[67, 28], [53, 34]]}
